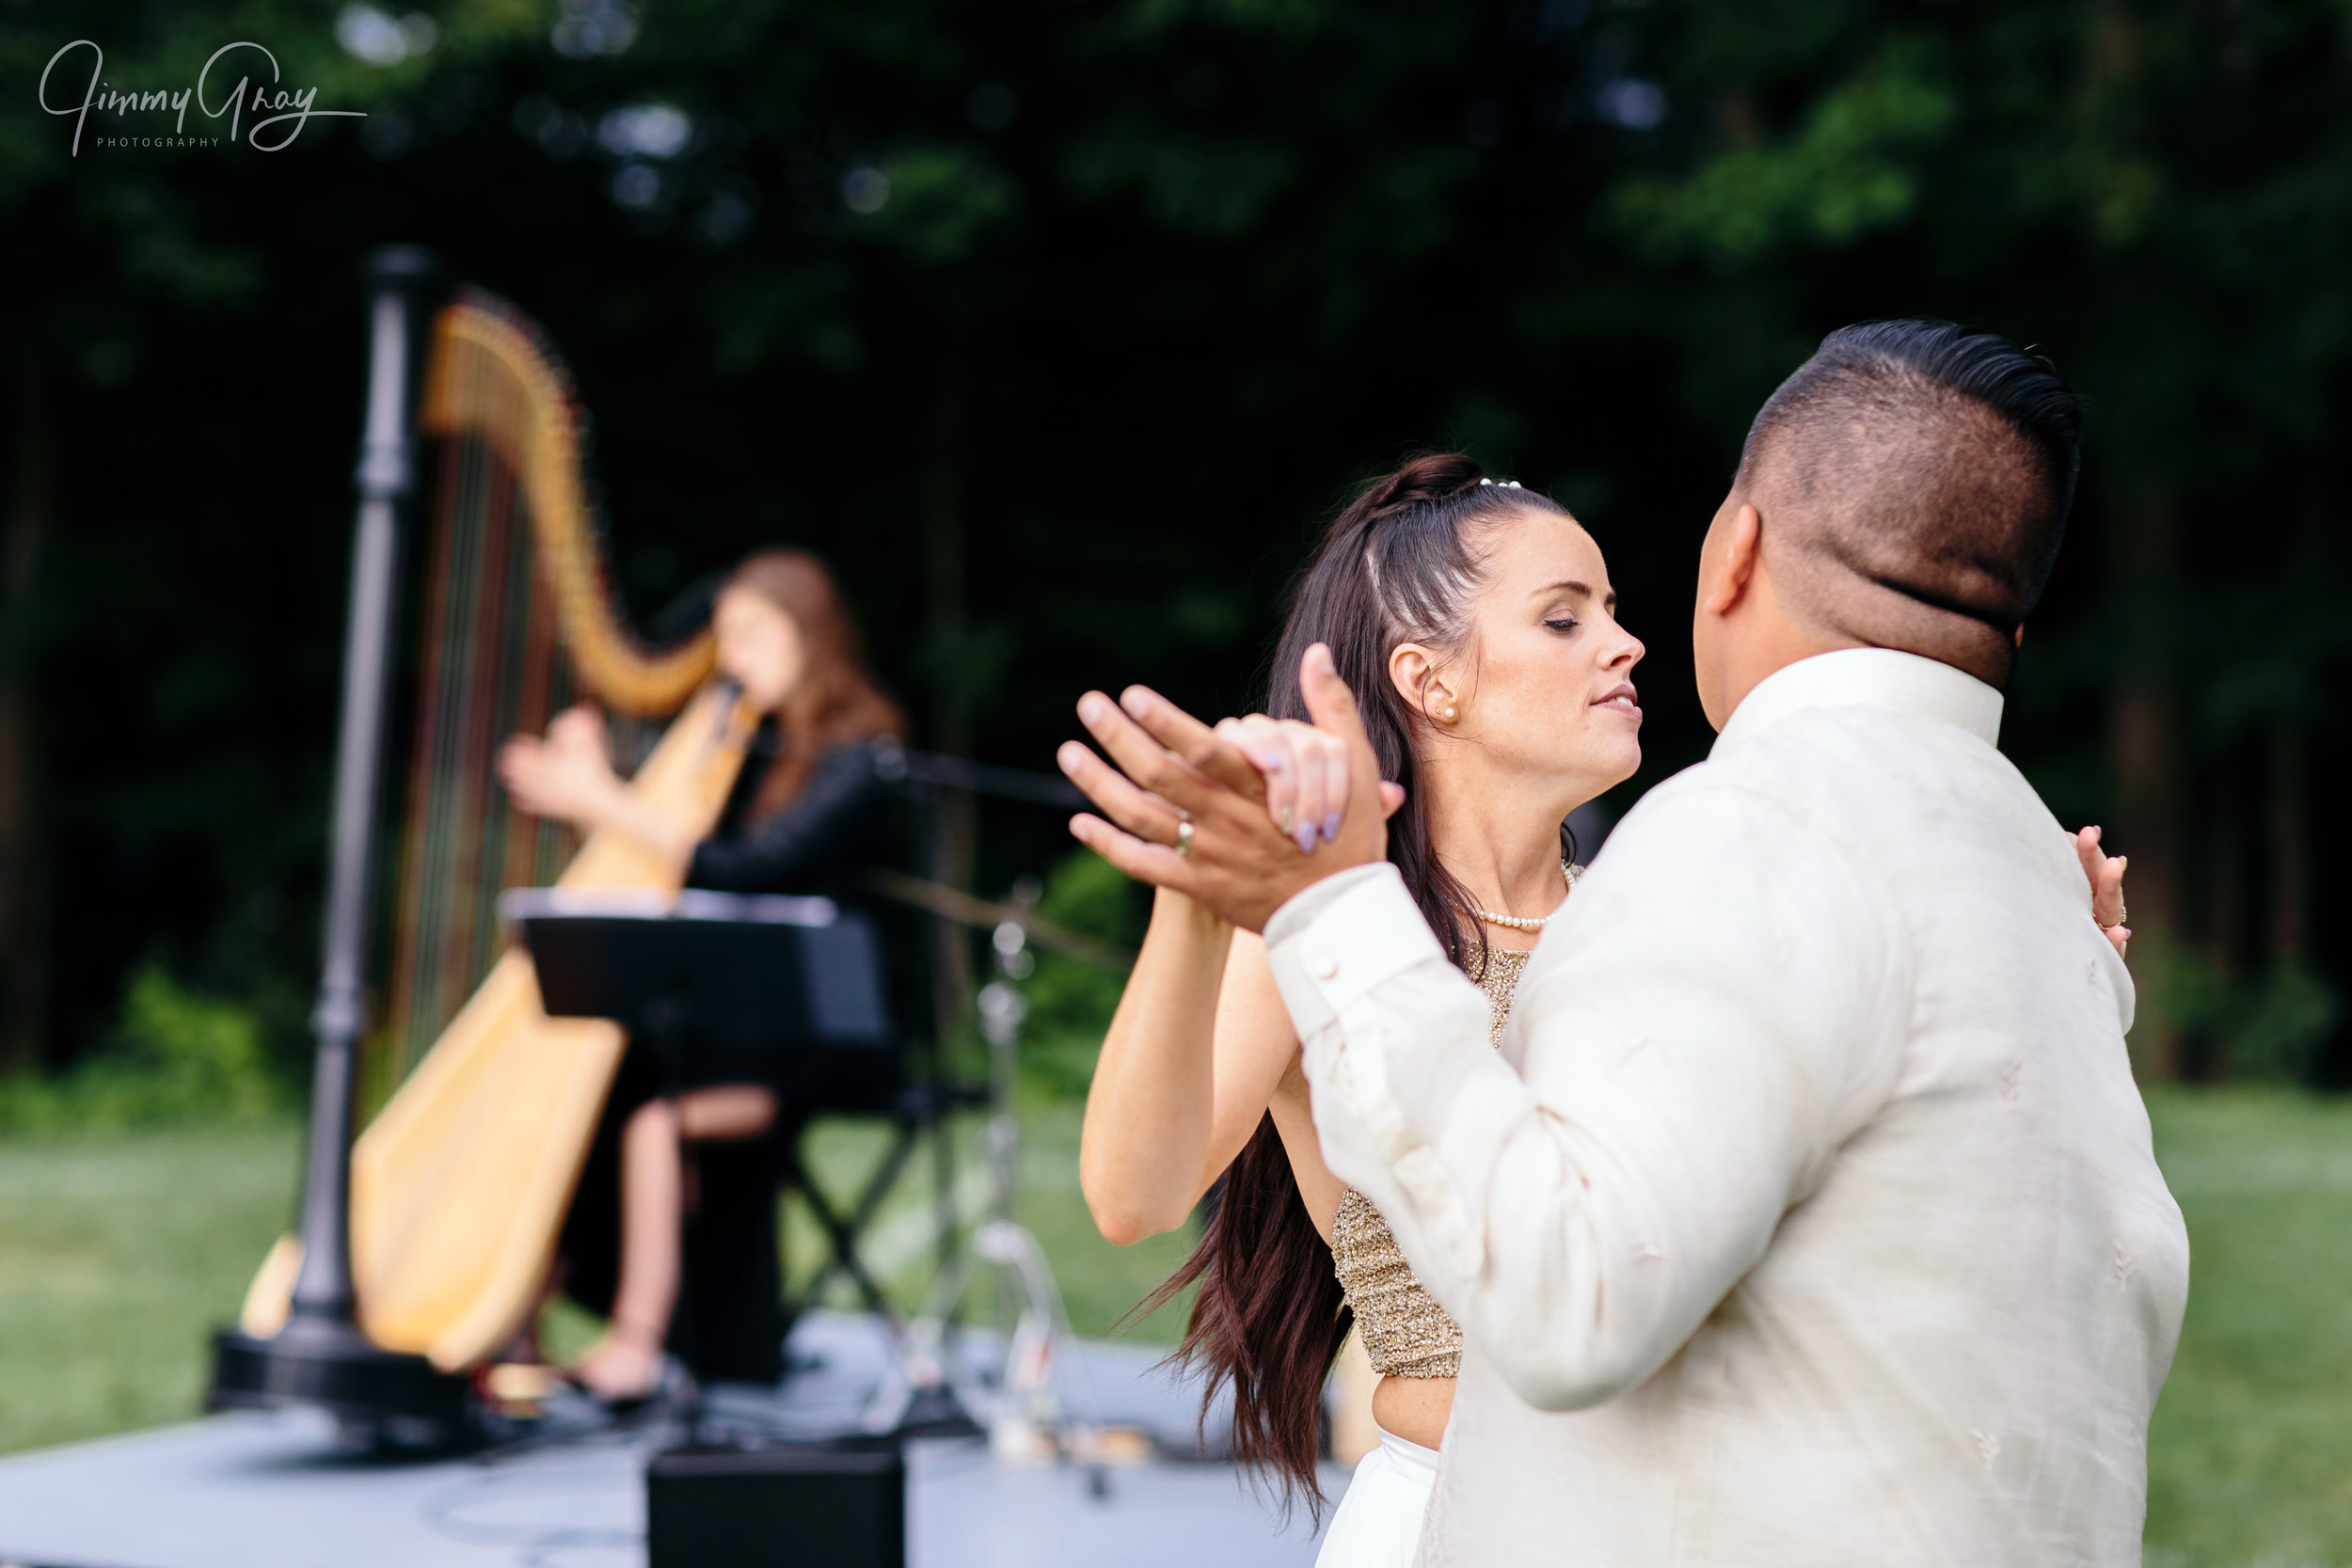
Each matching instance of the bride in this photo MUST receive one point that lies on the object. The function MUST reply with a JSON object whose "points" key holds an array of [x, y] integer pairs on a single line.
{"points": [[1476, 620]]}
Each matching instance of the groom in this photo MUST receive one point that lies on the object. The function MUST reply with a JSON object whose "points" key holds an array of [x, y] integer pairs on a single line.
{"points": [[1807, 1214]]}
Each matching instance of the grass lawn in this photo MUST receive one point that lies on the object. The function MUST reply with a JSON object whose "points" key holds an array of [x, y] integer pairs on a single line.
{"points": [[118, 1253], [2250, 1457], [1099, 1282]]}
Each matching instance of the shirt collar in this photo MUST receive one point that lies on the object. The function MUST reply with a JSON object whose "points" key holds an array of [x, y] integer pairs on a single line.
{"points": [[1869, 677]]}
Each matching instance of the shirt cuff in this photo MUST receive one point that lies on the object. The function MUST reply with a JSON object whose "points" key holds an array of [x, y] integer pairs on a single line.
{"points": [[1333, 942]]}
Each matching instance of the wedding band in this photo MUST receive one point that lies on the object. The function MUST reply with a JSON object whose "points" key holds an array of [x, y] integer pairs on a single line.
{"points": [[1283, 821], [1183, 837]]}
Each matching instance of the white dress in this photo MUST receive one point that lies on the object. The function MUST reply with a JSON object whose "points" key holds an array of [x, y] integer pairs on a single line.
{"points": [[1377, 1524]]}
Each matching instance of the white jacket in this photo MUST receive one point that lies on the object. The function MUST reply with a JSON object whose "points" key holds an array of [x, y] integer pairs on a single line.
{"points": [[1809, 1214]]}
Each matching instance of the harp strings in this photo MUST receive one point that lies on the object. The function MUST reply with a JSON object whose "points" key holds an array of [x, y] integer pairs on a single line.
{"points": [[418, 928], [518, 617], [490, 668]]}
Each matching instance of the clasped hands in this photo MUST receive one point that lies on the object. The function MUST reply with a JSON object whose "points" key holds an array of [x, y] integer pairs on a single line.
{"points": [[1241, 817]]}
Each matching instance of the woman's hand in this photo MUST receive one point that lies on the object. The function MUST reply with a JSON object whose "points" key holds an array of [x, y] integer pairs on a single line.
{"points": [[568, 776], [2106, 872], [1305, 776]]}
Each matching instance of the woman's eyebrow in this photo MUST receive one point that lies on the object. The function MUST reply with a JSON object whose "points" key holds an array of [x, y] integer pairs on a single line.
{"points": [[1582, 589]]}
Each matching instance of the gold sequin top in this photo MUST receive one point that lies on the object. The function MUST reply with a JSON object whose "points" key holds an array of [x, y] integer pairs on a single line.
{"points": [[1404, 1333]]}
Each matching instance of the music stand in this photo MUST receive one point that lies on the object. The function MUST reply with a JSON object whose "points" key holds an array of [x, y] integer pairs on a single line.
{"points": [[783, 987], [751, 974]]}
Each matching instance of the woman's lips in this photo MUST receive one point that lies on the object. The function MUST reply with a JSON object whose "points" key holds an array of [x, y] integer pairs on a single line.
{"points": [[1621, 699]]}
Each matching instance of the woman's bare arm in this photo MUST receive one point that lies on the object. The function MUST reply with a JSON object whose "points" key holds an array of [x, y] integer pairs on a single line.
{"points": [[1194, 1058], [1295, 1118]]}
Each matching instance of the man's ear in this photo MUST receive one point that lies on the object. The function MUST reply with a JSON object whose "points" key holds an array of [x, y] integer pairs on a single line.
{"points": [[1743, 545]]}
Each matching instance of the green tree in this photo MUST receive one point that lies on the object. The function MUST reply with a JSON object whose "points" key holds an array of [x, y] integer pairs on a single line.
{"points": [[1058, 330]]}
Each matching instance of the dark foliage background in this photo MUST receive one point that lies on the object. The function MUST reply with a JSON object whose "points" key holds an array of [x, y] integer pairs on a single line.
{"points": [[1059, 328]]}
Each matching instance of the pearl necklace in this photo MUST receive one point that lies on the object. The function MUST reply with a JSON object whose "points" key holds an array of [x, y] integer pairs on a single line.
{"points": [[1522, 922]]}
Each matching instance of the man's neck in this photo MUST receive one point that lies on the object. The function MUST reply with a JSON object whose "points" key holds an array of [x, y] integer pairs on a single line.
{"points": [[1772, 648]]}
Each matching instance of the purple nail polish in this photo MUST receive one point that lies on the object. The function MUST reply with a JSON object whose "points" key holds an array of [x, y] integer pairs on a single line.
{"points": [[1306, 838], [1330, 827], [1271, 762]]}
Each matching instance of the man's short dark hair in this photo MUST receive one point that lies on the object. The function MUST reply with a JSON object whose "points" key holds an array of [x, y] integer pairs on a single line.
{"points": [[1935, 463]]}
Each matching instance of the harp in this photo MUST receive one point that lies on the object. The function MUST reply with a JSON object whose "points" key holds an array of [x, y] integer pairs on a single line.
{"points": [[460, 1183]]}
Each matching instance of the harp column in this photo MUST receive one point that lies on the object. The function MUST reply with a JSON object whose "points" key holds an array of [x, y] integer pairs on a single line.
{"points": [[319, 1357], [395, 276]]}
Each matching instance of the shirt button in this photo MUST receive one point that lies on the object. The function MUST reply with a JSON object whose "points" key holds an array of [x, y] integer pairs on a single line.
{"points": [[1324, 964]]}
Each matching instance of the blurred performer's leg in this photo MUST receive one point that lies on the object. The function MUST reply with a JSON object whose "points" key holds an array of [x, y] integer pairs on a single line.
{"points": [[626, 1361]]}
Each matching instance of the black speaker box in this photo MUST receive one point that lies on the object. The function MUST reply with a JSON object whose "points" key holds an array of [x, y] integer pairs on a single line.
{"points": [[836, 1504]]}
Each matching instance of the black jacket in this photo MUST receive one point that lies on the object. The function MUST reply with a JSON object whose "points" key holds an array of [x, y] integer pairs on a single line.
{"points": [[844, 821]]}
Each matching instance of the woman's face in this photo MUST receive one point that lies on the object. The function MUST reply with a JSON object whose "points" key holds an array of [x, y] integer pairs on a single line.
{"points": [[1542, 684], [760, 647]]}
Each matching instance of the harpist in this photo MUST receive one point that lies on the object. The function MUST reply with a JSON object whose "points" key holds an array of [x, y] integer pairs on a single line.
{"points": [[810, 808]]}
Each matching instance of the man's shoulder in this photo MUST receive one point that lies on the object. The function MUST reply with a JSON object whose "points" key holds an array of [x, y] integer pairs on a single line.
{"points": [[1823, 783], [1830, 757], [1718, 814], [1890, 786], [1774, 774]]}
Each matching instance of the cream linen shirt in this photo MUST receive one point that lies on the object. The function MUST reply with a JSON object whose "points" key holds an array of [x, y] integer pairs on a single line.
{"points": [[1807, 1214]]}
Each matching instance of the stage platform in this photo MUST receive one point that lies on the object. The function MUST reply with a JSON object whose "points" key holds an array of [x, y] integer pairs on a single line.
{"points": [[271, 1491]]}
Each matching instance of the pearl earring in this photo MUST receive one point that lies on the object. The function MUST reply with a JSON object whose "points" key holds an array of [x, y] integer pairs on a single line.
{"points": [[1448, 715]]}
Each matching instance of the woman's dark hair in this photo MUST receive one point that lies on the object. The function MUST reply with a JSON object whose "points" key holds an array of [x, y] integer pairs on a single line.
{"points": [[1399, 565]]}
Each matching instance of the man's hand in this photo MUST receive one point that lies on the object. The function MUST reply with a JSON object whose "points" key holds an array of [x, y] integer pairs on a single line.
{"points": [[1175, 773]]}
